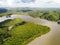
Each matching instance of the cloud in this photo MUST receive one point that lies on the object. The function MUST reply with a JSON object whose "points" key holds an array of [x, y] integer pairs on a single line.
{"points": [[30, 3], [56, 1], [27, 1]]}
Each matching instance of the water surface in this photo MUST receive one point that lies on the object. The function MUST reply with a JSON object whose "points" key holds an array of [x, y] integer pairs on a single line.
{"points": [[51, 38]]}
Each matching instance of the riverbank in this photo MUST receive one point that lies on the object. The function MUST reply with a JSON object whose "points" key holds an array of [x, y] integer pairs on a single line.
{"points": [[25, 32], [51, 38]]}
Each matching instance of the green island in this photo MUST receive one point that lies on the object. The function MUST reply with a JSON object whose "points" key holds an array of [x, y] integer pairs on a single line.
{"points": [[21, 33]]}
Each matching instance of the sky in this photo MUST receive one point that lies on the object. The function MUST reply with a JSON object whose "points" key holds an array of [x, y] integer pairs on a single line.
{"points": [[30, 3]]}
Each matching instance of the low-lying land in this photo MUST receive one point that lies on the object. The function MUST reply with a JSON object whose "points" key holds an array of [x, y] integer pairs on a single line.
{"points": [[21, 33], [51, 15], [11, 22]]}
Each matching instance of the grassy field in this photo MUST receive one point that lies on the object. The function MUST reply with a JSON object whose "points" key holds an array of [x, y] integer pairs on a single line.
{"points": [[21, 34]]}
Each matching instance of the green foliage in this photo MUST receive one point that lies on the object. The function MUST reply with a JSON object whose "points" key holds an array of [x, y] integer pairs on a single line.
{"points": [[35, 13], [13, 12], [49, 14], [3, 35], [22, 34], [25, 33], [12, 22]]}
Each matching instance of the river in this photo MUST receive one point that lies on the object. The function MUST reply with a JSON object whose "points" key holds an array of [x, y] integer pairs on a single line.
{"points": [[51, 38]]}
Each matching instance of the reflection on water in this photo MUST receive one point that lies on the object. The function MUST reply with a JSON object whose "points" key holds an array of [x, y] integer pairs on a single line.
{"points": [[51, 38]]}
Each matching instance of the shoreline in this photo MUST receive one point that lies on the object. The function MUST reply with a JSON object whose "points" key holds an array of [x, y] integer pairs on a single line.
{"points": [[50, 38]]}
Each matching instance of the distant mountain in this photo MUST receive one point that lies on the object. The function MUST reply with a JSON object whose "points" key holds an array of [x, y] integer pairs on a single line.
{"points": [[30, 8], [27, 1], [2, 10]]}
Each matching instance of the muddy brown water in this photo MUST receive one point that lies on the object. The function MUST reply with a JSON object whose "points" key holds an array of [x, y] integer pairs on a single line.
{"points": [[50, 38]]}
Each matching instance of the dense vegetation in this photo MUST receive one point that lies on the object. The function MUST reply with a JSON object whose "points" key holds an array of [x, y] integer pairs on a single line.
{"points": [[11, 22], [2, 10], [46, 14], [13, 12], [21, 33], [52, 15]]}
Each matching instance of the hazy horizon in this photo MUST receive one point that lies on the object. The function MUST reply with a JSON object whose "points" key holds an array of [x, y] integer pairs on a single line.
{"points": [[30, 3]]}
